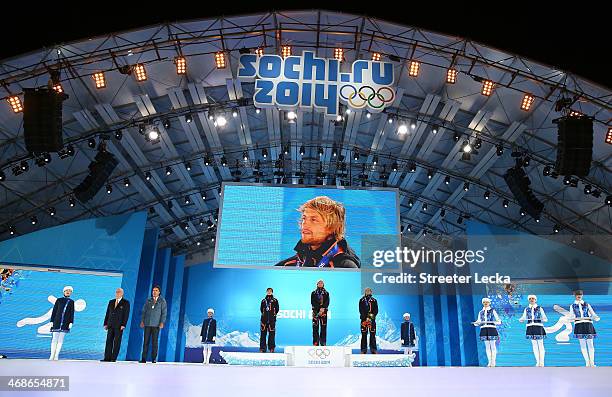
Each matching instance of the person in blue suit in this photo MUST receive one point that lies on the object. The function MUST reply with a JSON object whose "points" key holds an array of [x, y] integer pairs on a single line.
{"points": [[208, 334], [62, 318], [408, 336]]}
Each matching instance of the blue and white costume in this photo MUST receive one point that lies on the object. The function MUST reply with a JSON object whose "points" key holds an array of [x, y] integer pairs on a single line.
{"points": [[488, 320], [62, 318], [583, 315], [209, 334], [535, 317]]}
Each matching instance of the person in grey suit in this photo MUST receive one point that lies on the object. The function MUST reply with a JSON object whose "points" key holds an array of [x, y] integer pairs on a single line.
{"points": [[152, 320]]}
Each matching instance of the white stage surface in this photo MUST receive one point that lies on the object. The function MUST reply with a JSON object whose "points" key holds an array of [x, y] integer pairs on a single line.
{"points": [[92, 379]]}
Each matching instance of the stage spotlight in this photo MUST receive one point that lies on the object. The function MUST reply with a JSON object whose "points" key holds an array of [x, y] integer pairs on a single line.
{"points": [[91, 142], [166, 123], [412, 167], [168, 170], [339, 54], [487, 195], [320, 151], [181, 65], [574, 182], [187, 200], [505, 203], [148, 176], [522, 212], [291, 116], [245, 156], [99, 80], [188, 118], [220, 60], [188, 166], [287, 149], [526, 161], [185, 226], [424, 207], [527, 102], [302, 150], [2, 176], [259, 51], [499, 150], [198, 242], [376, 56], [413, 125], [368, 115], [390, 120], [487, 88], [152, 135], [57, 87], [12, 230], [394, 166], [126, 182], [375, 160], [467, 148], [587, 189], [413, 71], [118, 135], [430, 174], [15, 103], [424, 232], [456, 137], [339, 118], [410, 203], [334, 151], [466, 186], [234, 113], [220, 121], [141, 72], [24, 166], [402, 129], [434, 129], [257, 110], [609, 201], [208, 160], [477, 143], [596, 193], [409, 227], [356, 155], [71, 202], [546, 171], [51, 211], [286, 51], [264, 153], [451, 76], [34, 220], [609, 136], [447, 180], [537, 219], [203, 196], [556, 229], [567, 180], [223, 161], [109, 189]]}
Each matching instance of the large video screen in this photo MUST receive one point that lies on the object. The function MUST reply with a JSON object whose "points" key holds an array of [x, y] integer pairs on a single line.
{"points": [[27, 296], [289, 227]]}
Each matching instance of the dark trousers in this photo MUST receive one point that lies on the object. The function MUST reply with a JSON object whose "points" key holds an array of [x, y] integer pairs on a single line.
{"points": [[319, 339], [365, 330], [150, 333], [268, 330], [113, 343]]}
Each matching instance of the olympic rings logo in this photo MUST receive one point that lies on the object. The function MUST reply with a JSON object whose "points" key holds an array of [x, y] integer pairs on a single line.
{"points": [[367, 95], [319, 353]]}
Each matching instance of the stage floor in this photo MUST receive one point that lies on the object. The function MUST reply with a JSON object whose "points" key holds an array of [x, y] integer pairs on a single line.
{"points": [[93, 379]]}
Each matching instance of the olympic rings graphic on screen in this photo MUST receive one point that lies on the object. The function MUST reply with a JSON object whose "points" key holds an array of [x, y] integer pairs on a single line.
{"points": [[320, 353], [374, 98]]}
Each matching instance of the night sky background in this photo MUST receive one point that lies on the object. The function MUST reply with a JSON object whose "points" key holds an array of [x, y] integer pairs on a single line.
{"points": [[574, 37]]}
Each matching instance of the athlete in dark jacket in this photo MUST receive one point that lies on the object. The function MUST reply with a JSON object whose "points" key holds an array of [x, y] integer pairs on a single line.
{"points": [[269, 309], [368, 309], [319, 300], [322, 242]]}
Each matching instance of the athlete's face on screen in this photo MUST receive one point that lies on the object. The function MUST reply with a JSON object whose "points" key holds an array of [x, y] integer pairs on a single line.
{"points": [[313, 228]]}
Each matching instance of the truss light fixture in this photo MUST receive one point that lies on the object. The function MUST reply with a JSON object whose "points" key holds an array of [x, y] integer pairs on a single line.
{"points": [[467, 148], [522, 212], [259, 51], [234, 113], [57, 87], [166, 123], [527, 102], [118, 135], [447, 180], [91, 142], [264, 153], [15, 103], [487, 88], [466, 186], [413, 70], [220, 121], [2, 176], [291, 116], [477, 143], [71, 202], [376, 56], [148, 176], [375, 159], [34, 220], [567, 180], [442, 213], [220, 60], [188, 118], [141, 72], [99, 80], [412, 167], [434, 129], [487, 195], [126, 182], [339, 54], [451, 76], [546, 171], [430, 174], [456, 137], [609, 136], [394, 166], [505, 203], [109, 189], [286, 51], [152, 135], [556, 229], [334, 151], [460, 220], [609, 201], [499, 150], [188, 166], [587, 189], [168, 170], [320, 151], [51, 211], [187, 200], [410, 203], [257, 110], [368, 115], [245, 155], [181, 65], [223, 161], [302, 150], [402, 129]]}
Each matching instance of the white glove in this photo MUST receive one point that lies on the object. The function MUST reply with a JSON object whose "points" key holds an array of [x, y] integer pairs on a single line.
{"points": [[70, 326]]}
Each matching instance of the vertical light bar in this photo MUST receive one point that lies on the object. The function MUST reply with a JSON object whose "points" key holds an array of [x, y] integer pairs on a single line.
{"points": [[15, 103], [487, 88], [220, 60], [376, 56], [451, 76], [141, 72], [99, 80], [259, 51], [527, 102], [181, 65], [286, 51], [413, 71], [339, 54], [609, 136]]}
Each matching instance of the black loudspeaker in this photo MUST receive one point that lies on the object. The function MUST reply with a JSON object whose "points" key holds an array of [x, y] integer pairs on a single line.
{"points": [[574, 145], [519, 182], [42, 120], [100, 170]]}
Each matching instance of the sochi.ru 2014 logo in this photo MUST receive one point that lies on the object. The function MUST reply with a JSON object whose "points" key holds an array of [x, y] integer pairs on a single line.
{"points": [[309, 82], [319, 353]]}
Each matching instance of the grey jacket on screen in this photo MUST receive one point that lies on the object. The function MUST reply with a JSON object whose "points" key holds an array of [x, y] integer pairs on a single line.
{"points": [[154, 313]]}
